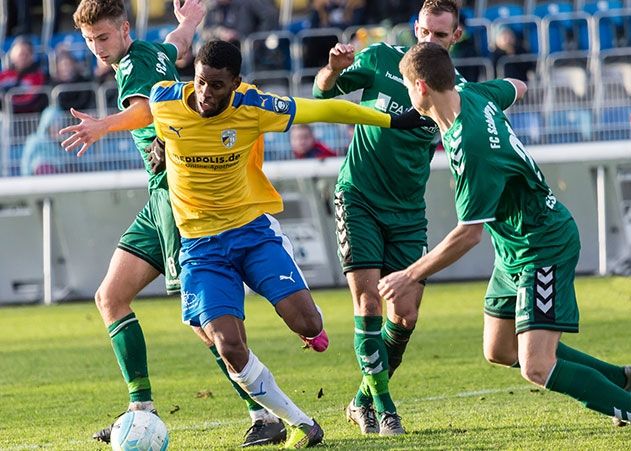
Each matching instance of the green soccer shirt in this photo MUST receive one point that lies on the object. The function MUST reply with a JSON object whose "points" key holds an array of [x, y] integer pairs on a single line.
{"points": [[498, 183], [389, 168], [144, 65]]}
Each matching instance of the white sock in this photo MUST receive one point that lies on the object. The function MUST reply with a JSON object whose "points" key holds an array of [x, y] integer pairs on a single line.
{"points": [[259, 383], [141, 405], [264, 416]]}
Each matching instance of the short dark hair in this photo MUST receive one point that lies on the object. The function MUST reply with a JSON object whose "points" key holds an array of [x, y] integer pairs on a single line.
{"points": [[220, 54], [436, 7], [431, 63], [90, 12]]}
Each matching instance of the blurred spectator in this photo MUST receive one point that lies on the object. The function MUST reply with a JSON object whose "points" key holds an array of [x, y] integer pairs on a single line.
{"points": [[304, 145], [508, 45], [337, 13], [23, 71], [42, 150], [466, 48], [67, 71], [234, 20]]}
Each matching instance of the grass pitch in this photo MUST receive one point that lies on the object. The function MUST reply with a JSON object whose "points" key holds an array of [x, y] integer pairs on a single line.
{"points": [[59, 381]]}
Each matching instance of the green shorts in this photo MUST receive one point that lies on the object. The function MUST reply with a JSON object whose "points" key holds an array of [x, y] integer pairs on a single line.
{"points": [[370, 238], [154, 237], [536, 298]]}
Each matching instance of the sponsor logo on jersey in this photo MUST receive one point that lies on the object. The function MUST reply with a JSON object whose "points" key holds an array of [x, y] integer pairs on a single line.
{"points": [[228, 137], [382, 102], [281, 105], [176, 130], [209, 159], [394, 77]]}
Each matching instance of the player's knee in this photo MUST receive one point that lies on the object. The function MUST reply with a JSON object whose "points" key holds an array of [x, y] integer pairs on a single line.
{"points": [[233, 351], [536, 371], [500, 357], [369, 304]]}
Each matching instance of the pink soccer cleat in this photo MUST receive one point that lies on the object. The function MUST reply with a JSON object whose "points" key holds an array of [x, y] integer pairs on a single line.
{"points": [[319, 343]]}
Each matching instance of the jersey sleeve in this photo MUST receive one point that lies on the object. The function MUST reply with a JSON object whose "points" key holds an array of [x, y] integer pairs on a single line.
{"points": [[141, 71], [479, 187], [359, 75], [275, 113], [502, 92], [169, 49]]}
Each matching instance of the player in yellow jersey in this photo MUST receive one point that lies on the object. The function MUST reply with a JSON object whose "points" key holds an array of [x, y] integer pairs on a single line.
{"points": [[222, 204]]}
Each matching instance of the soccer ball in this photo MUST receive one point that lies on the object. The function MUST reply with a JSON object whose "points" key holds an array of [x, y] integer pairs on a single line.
{"points": [[139, 430]]}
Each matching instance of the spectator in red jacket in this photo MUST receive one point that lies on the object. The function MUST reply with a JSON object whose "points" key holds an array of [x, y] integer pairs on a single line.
{"points": [[23, 71], [304, 144]]}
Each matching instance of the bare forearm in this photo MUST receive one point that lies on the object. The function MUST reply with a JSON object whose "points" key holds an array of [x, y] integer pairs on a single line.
{"points": [[456, 244], [182, 36], [326, 78]]}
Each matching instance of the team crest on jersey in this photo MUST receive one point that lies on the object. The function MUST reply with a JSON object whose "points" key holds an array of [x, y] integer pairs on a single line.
{"points": [[228, 137], [281, 105]]}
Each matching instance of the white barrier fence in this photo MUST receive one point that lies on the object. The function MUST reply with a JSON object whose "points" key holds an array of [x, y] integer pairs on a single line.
{"points": [[59, 231]]}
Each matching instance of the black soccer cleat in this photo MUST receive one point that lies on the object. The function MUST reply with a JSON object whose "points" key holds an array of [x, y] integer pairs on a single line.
{"points": [[105, 434], [261, 433]]}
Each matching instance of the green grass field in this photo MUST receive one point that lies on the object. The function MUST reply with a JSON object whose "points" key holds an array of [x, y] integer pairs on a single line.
{"points": [[59, 381]]}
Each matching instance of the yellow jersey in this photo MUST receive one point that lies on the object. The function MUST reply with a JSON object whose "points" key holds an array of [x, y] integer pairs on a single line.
{"points": [[214, 165]]}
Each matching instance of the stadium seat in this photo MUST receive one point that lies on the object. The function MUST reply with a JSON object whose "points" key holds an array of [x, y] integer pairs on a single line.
{"points": [[615, 123], [503, 11], [526, 28], [313, 46], [552, 8], [568, 126], [480, 31], [277, 146], [567, 32], [527, 126], [157, 33], [267, 51], [613, 28]]}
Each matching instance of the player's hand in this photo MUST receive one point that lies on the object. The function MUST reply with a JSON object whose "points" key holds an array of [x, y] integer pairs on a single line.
{"points": [[83, 134], [191, 10], [156, 152], [397, 286], [341, 56], [409, 120]]}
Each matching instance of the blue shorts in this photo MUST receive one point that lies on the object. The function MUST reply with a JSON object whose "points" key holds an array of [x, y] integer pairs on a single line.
{"points": [[214, 269]]}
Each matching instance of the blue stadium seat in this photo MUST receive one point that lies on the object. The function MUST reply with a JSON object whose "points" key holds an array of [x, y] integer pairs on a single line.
{"points": [[70, 38], [552, 8], [568, 31], [159, 32], [503, 11], [592, 7], [615, 123], [527, 126], [569, 126], [277, 147]]}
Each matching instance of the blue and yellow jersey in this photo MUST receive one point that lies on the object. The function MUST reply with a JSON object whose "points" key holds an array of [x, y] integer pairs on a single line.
{"points": [[214, 165]]}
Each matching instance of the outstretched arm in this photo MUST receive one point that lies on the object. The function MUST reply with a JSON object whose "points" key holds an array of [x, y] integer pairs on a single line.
{"points": [[189, 17], [340, 57], [345, 112], [91, 129]]}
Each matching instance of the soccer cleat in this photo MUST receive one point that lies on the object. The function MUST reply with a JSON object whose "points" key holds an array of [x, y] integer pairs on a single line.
{"points": [[304, 436], [319, 343], [364, 417], [104, 435], [261, 433], [390, 424], [615, 420]]}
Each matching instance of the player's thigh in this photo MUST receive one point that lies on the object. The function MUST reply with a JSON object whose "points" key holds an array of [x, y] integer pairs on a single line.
{"points": [[211, 285], [499, 340], [168, 237], [265, 257], [363, 287], [360, 242], [546, 298], [126, 276]]}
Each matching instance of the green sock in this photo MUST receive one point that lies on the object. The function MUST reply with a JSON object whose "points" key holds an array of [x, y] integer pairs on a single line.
{"points": [[396, 339], [590, 387], [372, 358], [612, 372], [252, 405], [131, 353], [363, 397]]}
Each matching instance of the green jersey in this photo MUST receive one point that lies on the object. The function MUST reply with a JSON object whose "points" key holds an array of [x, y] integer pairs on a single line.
{"points": [[498, 183], [144, 65], [389, 168]]}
